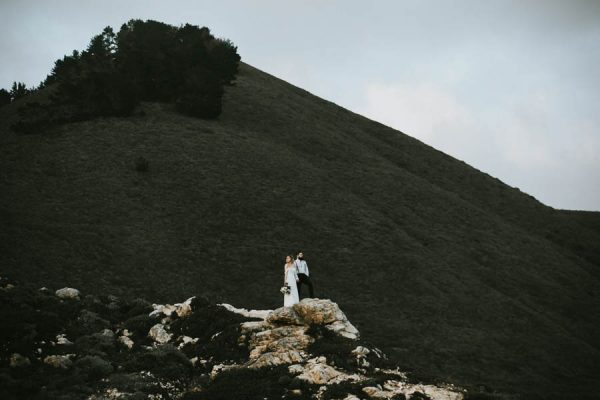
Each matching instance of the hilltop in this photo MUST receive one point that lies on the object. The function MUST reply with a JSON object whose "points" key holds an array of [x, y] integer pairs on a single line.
{"points": [[452, 272]]}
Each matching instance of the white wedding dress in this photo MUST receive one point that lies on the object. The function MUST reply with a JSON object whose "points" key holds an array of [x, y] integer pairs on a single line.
{"points": [[291, 276]]}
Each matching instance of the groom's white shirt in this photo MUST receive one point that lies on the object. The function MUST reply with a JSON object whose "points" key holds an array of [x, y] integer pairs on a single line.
{"points": [[301, 267]]}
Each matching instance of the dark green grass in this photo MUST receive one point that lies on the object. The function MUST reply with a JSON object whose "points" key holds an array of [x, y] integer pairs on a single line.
{"points": [[454, 273]]}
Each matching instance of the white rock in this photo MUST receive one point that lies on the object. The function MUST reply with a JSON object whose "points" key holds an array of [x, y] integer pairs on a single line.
{"points": [[108, 333], [262, 314], [181, 309], [184, 309], [295, 369], [62, 339], [126, 341], [360, 351], [185, 340], [159, 334], [68, 293]]}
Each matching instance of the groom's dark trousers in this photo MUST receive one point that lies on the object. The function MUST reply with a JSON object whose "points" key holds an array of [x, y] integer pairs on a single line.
{"points": [[304, 279]]}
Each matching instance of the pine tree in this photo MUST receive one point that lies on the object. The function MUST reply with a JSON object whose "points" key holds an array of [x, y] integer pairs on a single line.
{"points": [[4, 97], [18, 90]]}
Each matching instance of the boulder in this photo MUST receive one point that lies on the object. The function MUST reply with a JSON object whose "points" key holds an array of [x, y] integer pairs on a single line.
{"points": [[181, 309], [62, 340], [162, 309], [360, 351], [186, 340], [159, 334], [319, 311], [60, 361], [184, 309], [108, 333], [327, 313], [126, 341], [67, 293], [344, 328]]}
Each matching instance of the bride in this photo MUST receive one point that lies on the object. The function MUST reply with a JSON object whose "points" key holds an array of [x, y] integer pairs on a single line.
{"points": [[290, 278]]}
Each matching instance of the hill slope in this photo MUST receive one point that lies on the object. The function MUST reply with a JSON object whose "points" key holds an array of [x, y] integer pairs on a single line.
{"points": [[462, 276]]}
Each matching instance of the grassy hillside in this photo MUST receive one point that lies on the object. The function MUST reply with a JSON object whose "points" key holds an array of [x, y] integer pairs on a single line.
{"points": [[458, 275]]}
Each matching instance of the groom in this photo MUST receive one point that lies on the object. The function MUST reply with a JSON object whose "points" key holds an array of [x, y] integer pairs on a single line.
{"points": [[303, 278]]}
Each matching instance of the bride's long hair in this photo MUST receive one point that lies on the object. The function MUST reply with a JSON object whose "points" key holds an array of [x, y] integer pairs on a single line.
{"points": [[291, 260]]}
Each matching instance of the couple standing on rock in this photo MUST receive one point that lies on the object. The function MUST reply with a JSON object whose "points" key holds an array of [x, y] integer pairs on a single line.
{"points": [[295, 275]]}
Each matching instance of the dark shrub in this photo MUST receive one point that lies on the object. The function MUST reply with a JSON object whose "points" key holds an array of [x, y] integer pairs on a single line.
{"points": [[163, 361], [94, 367], [141, 164], [419, 396], [341, 390], [35, 118], [250, 384], [137, 306], [4, 97], [140, 324], [337, 349], [95, 344], [200, 95]]}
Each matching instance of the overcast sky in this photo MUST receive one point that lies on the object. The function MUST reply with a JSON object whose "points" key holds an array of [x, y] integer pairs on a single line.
{"points": [[510, 87]]}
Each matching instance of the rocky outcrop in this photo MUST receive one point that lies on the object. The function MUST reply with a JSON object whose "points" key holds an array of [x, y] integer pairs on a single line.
{"points": [[285, 337], [118, 349], [282, 337]]}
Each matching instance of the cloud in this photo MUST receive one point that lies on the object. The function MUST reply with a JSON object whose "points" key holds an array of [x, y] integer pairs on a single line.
{"points": [[424, 111], [526, 140]]}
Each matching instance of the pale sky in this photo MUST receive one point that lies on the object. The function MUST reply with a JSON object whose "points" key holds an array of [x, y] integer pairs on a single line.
{"points": [[510, 87]]}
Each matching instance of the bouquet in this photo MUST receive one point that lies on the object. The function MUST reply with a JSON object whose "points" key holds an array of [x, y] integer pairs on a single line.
{"points": [[285, 289]]}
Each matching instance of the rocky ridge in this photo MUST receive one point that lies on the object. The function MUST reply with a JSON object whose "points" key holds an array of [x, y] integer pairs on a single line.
{"points": [[63, 344]]}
